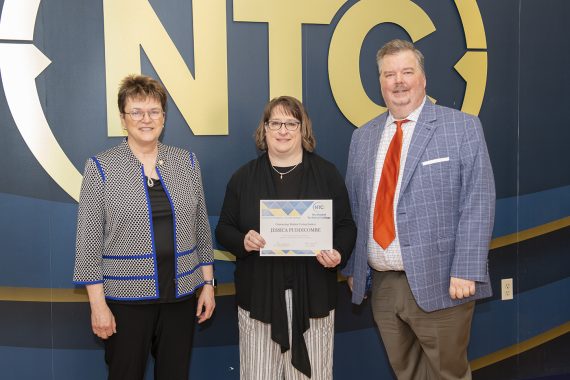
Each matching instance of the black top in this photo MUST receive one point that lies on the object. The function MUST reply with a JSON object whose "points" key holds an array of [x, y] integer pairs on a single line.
{"points": [[287, 187], [163, 240], [261, 282]]}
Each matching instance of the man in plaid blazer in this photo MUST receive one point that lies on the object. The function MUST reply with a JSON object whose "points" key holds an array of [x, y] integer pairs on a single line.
{"points": [[425, 281]]}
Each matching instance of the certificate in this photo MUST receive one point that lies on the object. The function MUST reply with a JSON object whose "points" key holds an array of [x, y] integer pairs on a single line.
{"points": [[295, 227]]}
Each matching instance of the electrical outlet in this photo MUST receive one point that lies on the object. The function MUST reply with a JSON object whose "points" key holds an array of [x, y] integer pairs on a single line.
{"points": [[506, 289]]}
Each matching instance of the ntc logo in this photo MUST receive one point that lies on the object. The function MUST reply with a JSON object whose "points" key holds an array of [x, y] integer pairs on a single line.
{"points": [[202, 96], [318, 206]]}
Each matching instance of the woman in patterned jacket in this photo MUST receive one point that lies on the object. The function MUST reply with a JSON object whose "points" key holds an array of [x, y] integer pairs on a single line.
{"points": [[144, 245]]}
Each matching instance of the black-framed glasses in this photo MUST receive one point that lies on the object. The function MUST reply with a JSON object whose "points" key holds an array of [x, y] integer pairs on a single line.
{"points": [[276, 125], [138, 115]]}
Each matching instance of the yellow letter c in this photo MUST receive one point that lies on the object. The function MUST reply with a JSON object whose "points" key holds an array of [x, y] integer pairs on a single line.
{"points": [[346, 43]]}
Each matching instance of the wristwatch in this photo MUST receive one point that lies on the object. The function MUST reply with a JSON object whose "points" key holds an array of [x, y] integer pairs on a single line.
{"points": [[210, 282]]}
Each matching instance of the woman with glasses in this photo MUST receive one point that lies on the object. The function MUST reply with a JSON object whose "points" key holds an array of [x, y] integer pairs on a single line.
{"points": [[285, 304], [143, 244]]}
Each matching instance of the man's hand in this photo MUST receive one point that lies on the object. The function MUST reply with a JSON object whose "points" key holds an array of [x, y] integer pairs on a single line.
{"points": [[460, 288]]}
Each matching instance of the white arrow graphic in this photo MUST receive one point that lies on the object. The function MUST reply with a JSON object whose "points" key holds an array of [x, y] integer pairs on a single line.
{"points": [[18, 19], [20, 64]]}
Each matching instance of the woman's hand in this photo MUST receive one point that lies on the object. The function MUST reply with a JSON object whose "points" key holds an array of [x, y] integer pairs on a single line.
{"points": [[206, 303], [329, 259], [253, 241], [103, 321]]}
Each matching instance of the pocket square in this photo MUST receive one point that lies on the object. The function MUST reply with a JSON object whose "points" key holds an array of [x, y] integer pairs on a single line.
{"points": [[435, 161]]}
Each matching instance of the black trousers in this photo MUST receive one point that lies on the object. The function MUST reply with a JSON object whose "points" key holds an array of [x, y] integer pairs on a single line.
{"points": [[165, 330]]}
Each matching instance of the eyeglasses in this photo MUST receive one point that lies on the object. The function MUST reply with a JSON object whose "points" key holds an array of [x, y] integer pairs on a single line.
{"points": [[276, 125], [139, 115]]}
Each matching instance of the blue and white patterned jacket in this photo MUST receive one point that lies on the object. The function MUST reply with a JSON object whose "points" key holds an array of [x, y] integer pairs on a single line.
{"points": [[115, 243]]}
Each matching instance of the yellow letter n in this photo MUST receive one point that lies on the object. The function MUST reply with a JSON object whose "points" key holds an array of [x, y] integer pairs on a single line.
{"points": [[203, 98]]}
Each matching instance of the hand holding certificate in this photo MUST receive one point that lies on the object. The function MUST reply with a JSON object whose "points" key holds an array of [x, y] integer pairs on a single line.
{"points": [[296, 227], [253, 241]]}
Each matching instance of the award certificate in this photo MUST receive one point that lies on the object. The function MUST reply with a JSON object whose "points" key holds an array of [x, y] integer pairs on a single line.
{"points": [[295, 227]]}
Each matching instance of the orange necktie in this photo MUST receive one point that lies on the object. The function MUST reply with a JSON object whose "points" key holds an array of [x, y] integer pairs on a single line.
{"points": [[384, 229]]}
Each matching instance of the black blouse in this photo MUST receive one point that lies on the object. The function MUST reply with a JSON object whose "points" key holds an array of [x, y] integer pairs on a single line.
{"points": [[261, 281], [163, 240]]}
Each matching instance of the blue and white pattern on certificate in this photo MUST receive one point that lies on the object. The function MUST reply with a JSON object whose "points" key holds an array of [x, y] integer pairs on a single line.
{"points": [[296, 227]]}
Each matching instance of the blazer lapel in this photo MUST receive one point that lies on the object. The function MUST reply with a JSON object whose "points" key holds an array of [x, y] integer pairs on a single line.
{"points": [[373, 143], [423, 131]]}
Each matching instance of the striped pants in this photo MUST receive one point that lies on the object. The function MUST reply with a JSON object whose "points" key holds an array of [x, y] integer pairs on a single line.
{"points": [[261, 358]]}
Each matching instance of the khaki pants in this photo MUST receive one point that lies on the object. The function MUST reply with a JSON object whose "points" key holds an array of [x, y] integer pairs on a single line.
{"points": [[420, 345]]}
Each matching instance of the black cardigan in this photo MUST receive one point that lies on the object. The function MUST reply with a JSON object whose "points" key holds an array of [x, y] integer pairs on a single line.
{"points": [[260, 282]]}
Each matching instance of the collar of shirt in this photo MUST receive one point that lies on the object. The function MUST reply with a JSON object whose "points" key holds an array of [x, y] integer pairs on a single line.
{"points": [[412, 116]]}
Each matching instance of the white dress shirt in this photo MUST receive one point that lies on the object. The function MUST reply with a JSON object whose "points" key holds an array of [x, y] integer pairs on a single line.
{"points": [[390, 258]]}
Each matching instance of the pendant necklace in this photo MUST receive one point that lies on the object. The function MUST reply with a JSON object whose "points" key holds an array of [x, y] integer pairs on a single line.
{"points": [[149, 180], [287, 172]]}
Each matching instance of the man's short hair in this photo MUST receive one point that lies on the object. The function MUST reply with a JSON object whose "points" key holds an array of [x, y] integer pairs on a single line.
{"points": [[395, 47]]}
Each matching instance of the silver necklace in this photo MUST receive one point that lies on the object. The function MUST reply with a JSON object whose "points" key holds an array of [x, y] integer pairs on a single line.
{"points": [[287, 172]]}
